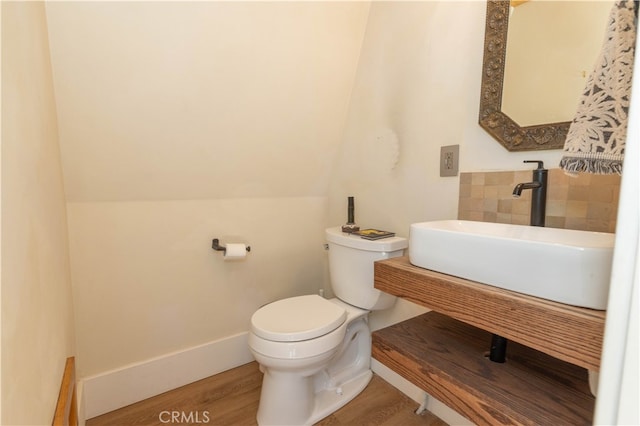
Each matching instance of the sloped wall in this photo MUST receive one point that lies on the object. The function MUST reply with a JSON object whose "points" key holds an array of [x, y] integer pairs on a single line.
{"points": [[201, 100], [37, 313]]}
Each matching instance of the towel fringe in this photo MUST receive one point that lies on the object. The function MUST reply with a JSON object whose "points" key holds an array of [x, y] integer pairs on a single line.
{"points": [[599, 166]]}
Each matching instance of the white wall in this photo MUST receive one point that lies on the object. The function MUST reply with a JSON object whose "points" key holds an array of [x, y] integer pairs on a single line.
{"points": [[147, 283], [618, 390], [37, 321], [417, 89], [184, 121]]}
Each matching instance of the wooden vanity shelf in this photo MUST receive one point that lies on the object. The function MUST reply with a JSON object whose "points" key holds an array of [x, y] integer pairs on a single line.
{"points": [[543, 381], [446, 358], [565, 332]]}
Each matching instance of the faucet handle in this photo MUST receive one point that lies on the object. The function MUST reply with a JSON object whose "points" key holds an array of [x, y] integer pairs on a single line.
{"points": [[540, 163]]}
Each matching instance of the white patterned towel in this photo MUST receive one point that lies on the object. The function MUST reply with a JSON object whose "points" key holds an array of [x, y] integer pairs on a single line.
{"points": [[596, 138]]}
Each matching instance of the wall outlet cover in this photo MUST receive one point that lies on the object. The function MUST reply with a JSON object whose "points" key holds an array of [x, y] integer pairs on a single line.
{"points": [[449, 156]]}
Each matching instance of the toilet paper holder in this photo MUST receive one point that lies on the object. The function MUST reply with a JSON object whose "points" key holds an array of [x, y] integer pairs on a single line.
{"points": [[215, 244]]}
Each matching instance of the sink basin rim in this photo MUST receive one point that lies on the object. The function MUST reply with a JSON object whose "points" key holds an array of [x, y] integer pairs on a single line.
{"points": [[568, 237]]}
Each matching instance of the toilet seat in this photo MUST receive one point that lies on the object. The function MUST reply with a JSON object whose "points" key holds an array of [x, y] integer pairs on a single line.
{"points": [[297, 319]]}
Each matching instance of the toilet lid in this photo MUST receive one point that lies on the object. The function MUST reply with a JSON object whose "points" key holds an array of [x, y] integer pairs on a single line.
{"points": [[297, 318]]}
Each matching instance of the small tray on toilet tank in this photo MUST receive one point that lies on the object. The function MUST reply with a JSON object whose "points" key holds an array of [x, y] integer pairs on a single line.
{"points": [[353, 240], [374, 234]]}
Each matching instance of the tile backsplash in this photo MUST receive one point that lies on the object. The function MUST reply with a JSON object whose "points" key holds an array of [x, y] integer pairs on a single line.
{"points": [[586, 202]]}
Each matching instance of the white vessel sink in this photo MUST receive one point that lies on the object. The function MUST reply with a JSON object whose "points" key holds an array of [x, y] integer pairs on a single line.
{"points": [[563, 265]]}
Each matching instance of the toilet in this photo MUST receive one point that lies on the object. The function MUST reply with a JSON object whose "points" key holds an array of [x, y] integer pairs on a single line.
{"points": [[315, 353]]}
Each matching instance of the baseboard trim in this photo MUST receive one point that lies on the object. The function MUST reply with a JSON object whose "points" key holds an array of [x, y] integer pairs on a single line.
{"points": [[436, 407], [115, 389], [397, 381]]}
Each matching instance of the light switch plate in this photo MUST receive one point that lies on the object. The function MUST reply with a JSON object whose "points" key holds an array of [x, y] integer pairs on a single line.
{"points": [[449, 160]]}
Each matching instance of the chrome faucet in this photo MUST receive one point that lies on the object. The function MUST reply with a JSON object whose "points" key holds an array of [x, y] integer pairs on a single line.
{"points": [[538, 189]]}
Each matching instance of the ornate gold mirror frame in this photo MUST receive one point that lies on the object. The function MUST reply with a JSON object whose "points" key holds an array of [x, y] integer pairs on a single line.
{"points": [[492, 119]]}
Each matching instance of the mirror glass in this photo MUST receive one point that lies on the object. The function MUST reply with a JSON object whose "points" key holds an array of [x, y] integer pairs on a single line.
{"points": [[537, 57], [551, 49]]}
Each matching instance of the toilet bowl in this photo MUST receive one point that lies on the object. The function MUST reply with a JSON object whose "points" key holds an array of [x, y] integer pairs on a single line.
{"points": [[315, 353]]}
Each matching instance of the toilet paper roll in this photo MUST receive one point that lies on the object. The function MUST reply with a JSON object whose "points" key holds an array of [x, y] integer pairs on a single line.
{"points": [[235, 251]]}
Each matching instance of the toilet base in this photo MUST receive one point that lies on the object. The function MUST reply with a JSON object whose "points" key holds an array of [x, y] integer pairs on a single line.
{"points": [[329, 401], [325, 402]]}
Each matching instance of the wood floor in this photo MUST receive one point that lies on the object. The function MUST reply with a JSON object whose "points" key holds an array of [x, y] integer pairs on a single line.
{"points": [[231, 398]]}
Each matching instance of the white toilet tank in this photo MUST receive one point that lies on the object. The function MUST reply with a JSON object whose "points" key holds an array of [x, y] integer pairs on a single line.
{"points": [[351, 260]]}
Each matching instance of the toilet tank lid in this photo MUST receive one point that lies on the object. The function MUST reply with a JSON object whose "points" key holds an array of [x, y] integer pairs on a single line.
{"points": [[336, 236], [297, 318]]}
